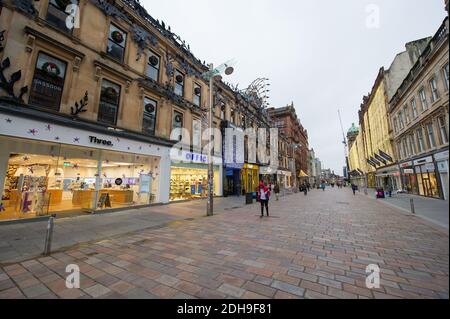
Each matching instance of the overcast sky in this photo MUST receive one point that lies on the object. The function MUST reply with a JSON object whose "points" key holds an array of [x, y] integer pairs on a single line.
{"points": [[319, 54]]}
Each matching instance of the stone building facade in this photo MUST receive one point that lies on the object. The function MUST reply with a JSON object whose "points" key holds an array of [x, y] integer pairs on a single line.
{"points": [[419, 115], [90, 112]]}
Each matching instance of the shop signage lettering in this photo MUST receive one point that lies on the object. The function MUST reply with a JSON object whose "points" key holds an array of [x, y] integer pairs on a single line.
{"points": [[96, 140], [196, 157], [423, 161], [407, 164], [408, 171]]}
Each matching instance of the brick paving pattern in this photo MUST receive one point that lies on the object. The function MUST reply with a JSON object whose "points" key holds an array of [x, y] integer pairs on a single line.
{"points": [[315, 246]]}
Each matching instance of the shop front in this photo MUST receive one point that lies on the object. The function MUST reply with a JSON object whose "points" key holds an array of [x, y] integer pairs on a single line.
{"points": [[268, 174], [388, 177], [284, 179], [441, 160], [189, 176], [50, 168], [232, 180], [426, 177], [409, 178], [249, 178]]}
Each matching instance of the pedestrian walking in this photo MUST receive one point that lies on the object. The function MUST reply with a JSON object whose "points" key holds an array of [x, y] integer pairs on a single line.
{"points": [[322, 186], [305, 189], [263, 197], [389, 190], [276, 190], [354, 188]]}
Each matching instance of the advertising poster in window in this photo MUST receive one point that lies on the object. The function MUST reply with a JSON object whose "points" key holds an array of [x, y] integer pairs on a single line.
{"points": [[145, 181]]}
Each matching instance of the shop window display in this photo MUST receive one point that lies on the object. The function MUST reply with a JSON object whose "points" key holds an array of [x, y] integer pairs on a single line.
{"points": [[190, 183], [427, 181], [43, 178]]}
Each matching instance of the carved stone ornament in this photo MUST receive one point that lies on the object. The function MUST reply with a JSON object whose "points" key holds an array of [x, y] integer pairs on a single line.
{"points": [[8, 85], [98, 73], [31, 39], [76, 64]]}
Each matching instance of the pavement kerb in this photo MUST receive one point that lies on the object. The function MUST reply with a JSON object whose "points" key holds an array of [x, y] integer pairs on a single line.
{"points": [[425, 220]]}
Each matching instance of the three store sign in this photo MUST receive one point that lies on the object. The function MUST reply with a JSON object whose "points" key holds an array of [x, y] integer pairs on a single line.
{"points": [[96, 140]]}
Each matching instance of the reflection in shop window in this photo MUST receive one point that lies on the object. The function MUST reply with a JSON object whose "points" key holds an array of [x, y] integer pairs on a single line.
{"points": [[109, 102], [149, 119], [48, 82]]}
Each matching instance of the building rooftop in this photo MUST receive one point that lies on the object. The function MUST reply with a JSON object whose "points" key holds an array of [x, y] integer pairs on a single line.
{"points": [[353, 129]]}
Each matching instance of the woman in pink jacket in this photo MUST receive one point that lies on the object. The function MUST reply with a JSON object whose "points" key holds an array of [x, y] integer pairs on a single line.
{"points": [[263, 197]]}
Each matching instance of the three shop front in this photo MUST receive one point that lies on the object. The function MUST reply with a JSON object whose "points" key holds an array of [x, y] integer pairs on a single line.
{"points": [[189, 175], [49, 167]]}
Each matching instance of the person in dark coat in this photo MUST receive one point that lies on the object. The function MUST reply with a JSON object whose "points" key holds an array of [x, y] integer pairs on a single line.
{"points": [[354, 188], [276, 190]]}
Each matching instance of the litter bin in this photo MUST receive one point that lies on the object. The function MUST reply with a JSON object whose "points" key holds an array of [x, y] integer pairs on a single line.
{"points": [[248, 198]]}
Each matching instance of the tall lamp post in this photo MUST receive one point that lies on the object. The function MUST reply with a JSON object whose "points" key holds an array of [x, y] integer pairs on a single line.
{"points": [[211, 75]]}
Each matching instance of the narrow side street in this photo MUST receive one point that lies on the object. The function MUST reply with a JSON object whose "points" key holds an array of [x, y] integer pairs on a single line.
{"points": [[315, 246]]}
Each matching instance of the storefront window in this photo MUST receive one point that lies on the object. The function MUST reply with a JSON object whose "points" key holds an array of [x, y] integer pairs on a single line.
{"points": [[190, 181], [43, 178], [109, 102], [48, 82], [427, 182], [443, 130]]}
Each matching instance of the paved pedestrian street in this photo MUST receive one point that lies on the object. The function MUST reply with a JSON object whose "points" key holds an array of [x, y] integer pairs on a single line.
{"points": [[314, 246]]}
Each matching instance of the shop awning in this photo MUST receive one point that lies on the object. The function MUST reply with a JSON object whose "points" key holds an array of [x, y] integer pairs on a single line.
{"points": [[302, 174]]}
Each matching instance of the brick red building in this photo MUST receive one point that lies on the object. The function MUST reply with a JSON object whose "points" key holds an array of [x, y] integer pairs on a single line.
{"points": [[288, 123]]}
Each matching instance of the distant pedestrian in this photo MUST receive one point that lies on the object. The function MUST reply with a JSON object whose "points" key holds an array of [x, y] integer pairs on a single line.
{"points": [[263, 197], [354, 188], [389, 190], [322, 186], [305, 189], [276, 190]]}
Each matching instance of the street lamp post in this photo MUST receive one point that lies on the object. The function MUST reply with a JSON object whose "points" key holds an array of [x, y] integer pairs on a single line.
{"points": [[211, 75]]}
